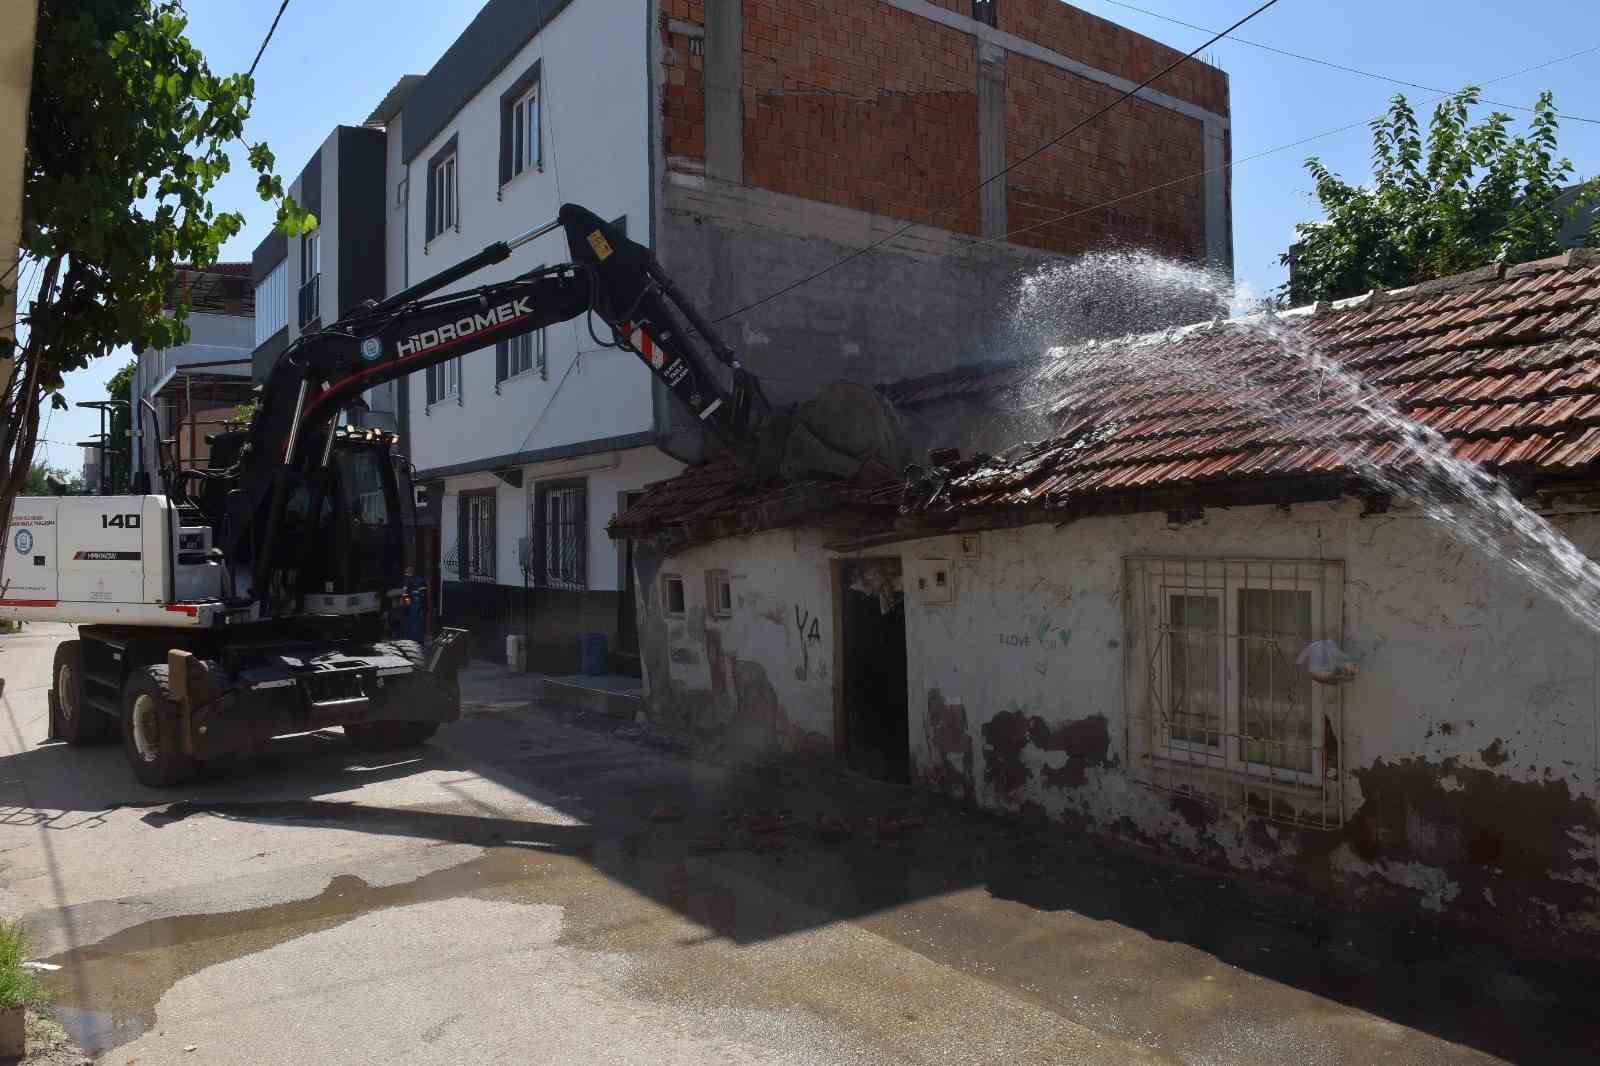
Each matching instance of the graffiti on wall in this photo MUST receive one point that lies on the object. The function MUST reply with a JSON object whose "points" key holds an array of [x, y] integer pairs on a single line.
{"points": [[809, 628]]}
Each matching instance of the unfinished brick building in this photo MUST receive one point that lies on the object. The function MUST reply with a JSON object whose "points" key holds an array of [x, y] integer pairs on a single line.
{"points": [[793, 133]]}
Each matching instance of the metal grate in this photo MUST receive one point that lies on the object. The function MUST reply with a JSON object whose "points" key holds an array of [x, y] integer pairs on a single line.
{"points": [[560, 513], [1217, 707], [477, 537]]}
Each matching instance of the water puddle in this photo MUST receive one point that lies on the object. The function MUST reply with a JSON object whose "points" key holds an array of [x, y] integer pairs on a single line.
{"points": [[106, 993]]}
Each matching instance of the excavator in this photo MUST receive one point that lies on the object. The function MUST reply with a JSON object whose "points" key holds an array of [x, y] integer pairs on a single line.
{"points": [[246, 600]]}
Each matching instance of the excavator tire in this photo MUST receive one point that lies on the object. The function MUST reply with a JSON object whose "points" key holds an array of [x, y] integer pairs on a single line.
{"points": [[393, 736], [152, 730], [75, 721]]}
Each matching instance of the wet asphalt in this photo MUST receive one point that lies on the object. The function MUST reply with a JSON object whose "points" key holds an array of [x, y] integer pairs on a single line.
{"points": [[543, 885]]}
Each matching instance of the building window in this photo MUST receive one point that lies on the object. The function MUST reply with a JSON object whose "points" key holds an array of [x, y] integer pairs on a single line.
{"points": [[310, 278], [719, 594], [672, 595], [477, 536], [272, 303], [560, 534], [444, 191], [1222, 709], [521, 121], [985, 11], [444, 382], [520, 355], [525, 153]]}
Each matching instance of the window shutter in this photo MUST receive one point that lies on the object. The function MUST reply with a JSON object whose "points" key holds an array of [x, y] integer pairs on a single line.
{"points": [[505, 139], [432, 199], [537, 148], [501, 358], [433, 385]]}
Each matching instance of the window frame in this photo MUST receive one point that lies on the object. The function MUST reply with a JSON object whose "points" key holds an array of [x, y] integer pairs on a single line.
{"points": [[667, 581], [538, 358], [444, 192], [443, 384], [1226, 586], [539, 534], [309, 296], [529, 84], [469, 526], [717, 583]]}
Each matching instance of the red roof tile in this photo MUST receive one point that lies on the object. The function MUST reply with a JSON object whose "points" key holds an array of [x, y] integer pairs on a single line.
{"points": [[1500, 366], [1506, 368]]}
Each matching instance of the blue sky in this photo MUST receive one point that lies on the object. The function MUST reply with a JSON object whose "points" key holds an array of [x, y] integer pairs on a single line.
{"points": [[331, 61]]}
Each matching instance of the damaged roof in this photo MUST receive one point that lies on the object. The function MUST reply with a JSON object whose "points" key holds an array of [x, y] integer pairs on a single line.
{"points": [[1504, 363]]}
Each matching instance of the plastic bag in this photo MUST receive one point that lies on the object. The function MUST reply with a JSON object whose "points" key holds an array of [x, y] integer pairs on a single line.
{"points": [[1327, 663]]}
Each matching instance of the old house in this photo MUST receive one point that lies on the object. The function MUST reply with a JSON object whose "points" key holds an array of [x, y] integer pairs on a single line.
{"points": [[1105, 628]]}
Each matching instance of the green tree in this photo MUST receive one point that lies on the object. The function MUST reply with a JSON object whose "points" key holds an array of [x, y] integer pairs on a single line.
{"points": [[128, 135], [1472, 194], [37, 481]]}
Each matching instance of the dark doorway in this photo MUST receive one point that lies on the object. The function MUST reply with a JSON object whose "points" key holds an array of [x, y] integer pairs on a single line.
{"points": [[873, 688]]}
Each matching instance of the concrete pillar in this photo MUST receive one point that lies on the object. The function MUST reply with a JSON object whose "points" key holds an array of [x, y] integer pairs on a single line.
{"points": [[992, 137], [724, 81], [1219, 221]]}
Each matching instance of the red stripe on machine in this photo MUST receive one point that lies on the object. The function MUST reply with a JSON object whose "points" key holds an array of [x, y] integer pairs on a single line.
{"points": [[183, 608], [27, 603]]}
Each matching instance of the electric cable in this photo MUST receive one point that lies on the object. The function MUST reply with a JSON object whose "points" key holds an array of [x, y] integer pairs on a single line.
{"points": [[265, 40], [1326, 62], [858, 253]]}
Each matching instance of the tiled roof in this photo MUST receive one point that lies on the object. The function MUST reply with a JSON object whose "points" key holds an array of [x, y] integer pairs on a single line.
{"points": [[723, 498], [1505, 365]]}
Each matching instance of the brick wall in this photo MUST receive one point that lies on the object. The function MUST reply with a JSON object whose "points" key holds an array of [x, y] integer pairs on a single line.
{"points": [[1114, 49], [858, 104], [1136, 146], [683, 97]]}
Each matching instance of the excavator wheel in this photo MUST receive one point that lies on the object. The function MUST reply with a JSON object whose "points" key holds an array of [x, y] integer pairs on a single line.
{"points": [[152, 730], [393, 736], [75, 722]]}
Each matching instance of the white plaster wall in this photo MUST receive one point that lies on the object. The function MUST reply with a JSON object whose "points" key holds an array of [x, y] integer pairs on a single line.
{"points": [[782, 624], [1442, 635], [608, 474], [595, 143]]}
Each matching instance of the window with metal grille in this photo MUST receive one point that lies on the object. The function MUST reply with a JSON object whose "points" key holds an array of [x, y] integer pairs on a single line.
{"points": [[476, 538], [1218, 706], [560, 512]]}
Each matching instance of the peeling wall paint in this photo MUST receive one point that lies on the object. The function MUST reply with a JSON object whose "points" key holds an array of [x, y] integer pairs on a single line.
{"points": [[762, 674], [1469, 740]]}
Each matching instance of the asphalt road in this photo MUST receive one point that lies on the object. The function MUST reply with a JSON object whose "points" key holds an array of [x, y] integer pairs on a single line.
{"points": [[503, 895]]}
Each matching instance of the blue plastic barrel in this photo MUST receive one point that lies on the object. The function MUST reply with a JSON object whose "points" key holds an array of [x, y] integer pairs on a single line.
{"points": [[593, 653]]}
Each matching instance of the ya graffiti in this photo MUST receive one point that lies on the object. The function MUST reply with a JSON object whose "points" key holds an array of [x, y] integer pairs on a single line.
{"points": [[810, 631]]}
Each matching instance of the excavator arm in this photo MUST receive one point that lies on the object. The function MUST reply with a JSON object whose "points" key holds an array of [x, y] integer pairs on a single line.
{"points": [[630, 301]]}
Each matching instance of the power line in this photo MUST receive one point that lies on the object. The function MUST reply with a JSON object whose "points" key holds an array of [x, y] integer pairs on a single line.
{"points": [[858, 253], [1326, 62], [1258, 155], [265, 40]]}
